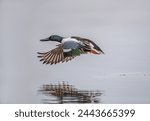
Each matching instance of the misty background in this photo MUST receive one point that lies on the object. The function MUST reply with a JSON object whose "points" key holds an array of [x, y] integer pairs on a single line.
{"points": [[120, 27]]}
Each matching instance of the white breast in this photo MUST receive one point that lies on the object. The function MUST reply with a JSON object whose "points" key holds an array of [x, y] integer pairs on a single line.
{"points": [[69, 39]]}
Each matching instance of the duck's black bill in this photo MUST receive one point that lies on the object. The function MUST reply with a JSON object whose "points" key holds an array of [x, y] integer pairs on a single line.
{"points": [[44, 40]]}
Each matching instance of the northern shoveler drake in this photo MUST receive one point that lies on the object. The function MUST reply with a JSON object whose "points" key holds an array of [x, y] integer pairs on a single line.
{"points": [[68, 48]]}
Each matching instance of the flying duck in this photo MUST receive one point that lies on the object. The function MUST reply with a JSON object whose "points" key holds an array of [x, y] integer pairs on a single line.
{"points": [[69, 48]]}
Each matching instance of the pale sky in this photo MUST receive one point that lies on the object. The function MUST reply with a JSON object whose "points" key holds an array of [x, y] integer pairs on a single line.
{"points": [[120, 28]]}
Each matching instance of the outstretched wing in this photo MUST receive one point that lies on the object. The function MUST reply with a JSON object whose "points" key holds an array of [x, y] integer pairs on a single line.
{"points": [[87, 44], [53, 56], [58, 55]]}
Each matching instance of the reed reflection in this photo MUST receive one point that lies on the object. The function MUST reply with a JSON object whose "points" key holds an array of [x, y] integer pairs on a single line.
{"points": [[66, 93]]}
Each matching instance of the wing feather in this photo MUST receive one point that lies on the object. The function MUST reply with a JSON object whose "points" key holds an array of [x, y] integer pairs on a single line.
{"points": [[56, 55]]}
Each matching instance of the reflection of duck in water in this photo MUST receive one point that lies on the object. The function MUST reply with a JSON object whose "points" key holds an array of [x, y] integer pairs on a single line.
{"points": [[68, 49], [66, 93]]}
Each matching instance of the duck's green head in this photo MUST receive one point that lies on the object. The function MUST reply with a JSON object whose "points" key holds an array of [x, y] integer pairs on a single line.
{"points": [[53, 38]]}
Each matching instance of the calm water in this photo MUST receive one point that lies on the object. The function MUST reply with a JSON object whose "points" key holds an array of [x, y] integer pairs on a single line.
{"points": [[115, 88]]}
